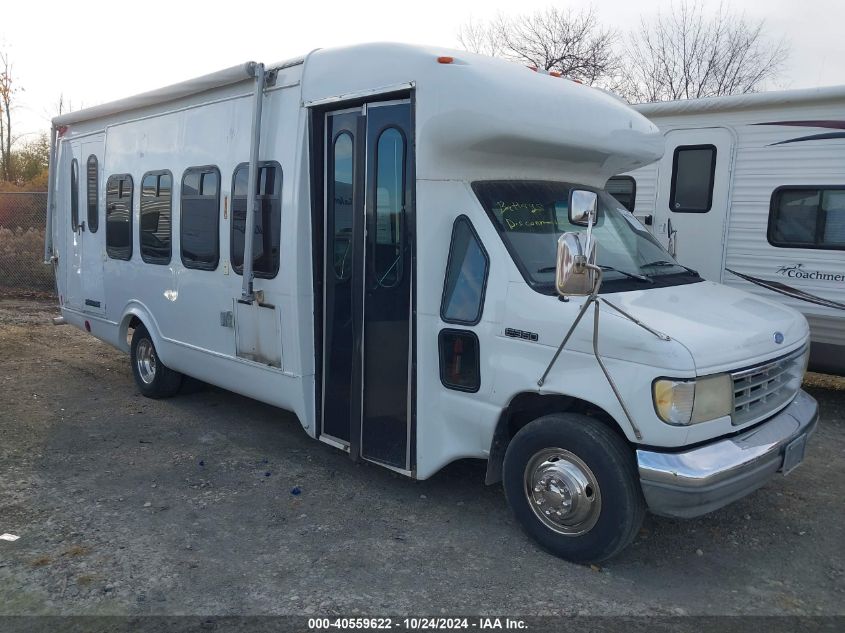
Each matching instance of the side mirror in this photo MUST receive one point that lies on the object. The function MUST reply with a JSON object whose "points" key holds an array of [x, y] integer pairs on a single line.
{"points": [[572, 277], [582, 207]]}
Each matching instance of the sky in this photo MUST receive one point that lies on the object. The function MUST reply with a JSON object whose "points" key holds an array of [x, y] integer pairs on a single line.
{"points": [[101, 51]]}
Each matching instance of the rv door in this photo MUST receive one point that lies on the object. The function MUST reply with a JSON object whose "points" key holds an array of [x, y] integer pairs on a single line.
{"points": [[691, 212]]}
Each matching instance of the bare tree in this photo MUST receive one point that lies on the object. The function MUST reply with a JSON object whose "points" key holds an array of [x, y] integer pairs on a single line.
{"points": [[688, 55], [566, 41], [7, 91]]}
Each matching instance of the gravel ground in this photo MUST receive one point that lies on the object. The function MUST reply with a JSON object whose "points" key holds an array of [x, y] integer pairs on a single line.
{"points": [[186, 506]]}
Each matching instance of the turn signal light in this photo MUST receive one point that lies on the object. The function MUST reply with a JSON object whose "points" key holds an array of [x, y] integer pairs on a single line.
{"points": [[445, 59]]}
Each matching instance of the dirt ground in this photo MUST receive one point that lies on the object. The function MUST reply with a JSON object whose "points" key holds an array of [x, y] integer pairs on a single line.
{"points": [[131, 506]]}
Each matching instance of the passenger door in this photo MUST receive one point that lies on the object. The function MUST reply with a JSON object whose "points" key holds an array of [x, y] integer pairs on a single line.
{"points": [[368, 282], [692, 197]]}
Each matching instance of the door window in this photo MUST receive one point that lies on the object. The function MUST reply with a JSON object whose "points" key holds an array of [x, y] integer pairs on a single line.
{"points": [[91, 179], [74, 195], [342, 219], [466, 276], [693, 175], [389, 208]]}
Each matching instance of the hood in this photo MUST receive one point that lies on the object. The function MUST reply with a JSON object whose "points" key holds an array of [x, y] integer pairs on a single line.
{"points": [[723, 328]]}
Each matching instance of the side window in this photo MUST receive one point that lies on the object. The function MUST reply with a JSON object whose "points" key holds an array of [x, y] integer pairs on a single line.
{"points": [[74, 195], [155, 217], [808, 217], [91, 181], [624, 189], [119, 216], [693, 173], [268, 219], [466, 276], [459, 360], [343, 183], [389, 219], [199, 233]]}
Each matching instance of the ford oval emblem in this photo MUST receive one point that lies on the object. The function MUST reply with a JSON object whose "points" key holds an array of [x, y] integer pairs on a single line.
{"points": [[778, 337]]}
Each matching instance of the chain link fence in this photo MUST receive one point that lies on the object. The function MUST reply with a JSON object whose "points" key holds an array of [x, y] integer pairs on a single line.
{"points": [[22, 219]]}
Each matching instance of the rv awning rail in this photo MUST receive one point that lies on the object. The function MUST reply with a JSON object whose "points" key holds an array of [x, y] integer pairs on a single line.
{"points": [[225, 77]]}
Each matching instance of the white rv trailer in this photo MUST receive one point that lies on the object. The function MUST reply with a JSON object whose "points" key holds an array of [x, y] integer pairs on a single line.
{"points": [[753, 188], [423, 227]]}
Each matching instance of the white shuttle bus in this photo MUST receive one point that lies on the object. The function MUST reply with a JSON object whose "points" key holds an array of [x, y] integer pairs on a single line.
{"points": [[751, 193], [427, 229]]}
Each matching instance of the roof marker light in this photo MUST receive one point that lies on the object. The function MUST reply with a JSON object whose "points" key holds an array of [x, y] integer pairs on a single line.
{"points": [[445, 59], [555, 73]]}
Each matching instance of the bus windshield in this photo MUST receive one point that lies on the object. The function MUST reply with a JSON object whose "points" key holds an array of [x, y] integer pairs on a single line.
{"points": [[531, 215]]}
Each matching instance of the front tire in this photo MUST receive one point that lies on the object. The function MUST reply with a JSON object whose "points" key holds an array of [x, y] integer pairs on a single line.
{"points": [[572, 484], [153, 378]]}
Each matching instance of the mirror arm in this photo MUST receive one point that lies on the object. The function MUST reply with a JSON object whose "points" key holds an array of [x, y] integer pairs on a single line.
{"points": [[592, 297], [607, 375]]}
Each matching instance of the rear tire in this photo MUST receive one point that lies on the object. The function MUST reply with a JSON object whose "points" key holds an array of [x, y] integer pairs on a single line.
{"points": [[573, 485], [153, 378]]}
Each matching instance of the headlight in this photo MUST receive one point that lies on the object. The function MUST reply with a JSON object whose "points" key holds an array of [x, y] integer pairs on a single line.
{"points": [[685, 402]]}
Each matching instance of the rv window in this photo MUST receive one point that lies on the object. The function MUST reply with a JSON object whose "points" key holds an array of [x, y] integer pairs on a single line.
{"points": [[74, 195], [119, 216], [624, 189], [199, 221], [389, 208], [459, 360], [268, 219], [693, 173], [466, 276], [155, 222], [808, 217], [92, 180], [342, 190]]}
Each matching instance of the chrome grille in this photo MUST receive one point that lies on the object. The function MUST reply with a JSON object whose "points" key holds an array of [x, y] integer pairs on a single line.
{"points": [[762, 390]]}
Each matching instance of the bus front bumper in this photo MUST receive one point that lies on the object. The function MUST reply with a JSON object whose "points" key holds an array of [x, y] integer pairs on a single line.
{"points": [[699, 480]]}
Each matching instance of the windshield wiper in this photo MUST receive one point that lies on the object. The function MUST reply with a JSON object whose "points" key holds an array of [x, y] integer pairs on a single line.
{"points": [[627, 274], [551, 269], [666, 262]]}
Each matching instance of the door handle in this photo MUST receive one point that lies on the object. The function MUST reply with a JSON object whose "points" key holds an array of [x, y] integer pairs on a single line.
{"points": [[648, 220]]}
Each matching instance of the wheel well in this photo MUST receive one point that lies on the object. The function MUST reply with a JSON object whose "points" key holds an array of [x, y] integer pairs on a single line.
{"points": [[528, 406], [129, 325]]}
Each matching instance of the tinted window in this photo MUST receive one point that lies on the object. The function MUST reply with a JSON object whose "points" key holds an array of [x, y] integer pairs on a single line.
{"points": [[466, 276], [119, 217], [268, 219], [155, 221], [74, 195], [459, 362], [693, 170], [92, 180], [342, 246], [199, 233], [624, 189], [808, 217], [389, 207]]}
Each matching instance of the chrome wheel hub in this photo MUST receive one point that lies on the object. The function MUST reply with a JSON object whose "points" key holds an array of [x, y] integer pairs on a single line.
{"points": [[145, 359], [562, 491]]}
